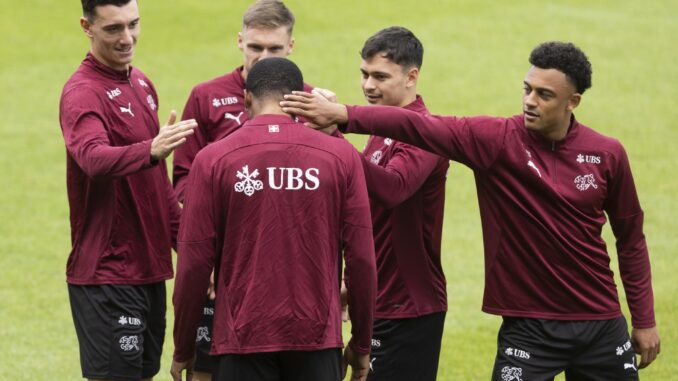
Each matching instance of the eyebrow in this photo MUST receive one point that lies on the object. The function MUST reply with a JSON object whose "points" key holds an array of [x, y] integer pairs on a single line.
{"points": [[540, 89]]}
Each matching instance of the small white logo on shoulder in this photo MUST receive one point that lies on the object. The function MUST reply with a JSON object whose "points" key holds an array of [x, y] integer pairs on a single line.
{"points": [[113, 93], [143, 83], [590, 159], [228, 115], [511, 374], [127, 110], [584, 182], [218, 102], [248, 185]]}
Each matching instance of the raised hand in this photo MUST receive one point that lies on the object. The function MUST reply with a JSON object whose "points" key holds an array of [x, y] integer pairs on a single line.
{"points": [[171, 136]]}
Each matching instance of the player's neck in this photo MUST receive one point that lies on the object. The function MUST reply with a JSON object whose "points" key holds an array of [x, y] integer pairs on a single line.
{"points": [[266, 108]]}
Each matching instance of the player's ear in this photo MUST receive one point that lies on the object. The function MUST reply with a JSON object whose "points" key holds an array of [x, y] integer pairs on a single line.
{"points": [[291, 45], [240, 42], [248, 100], [86, 26], [412, 76], [574, 101]]}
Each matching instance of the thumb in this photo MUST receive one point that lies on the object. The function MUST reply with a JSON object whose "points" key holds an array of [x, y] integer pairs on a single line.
{"points": [[172, 118]]}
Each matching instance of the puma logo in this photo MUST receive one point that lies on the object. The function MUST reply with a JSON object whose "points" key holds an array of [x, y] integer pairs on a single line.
{"points": [[127, 110], [531, 164], [228, 115]]}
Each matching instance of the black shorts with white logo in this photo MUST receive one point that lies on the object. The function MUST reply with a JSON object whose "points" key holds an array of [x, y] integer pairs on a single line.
{"points": [[538, 350], [204, 362], [120, 329], [406, 349], [321, 365]]}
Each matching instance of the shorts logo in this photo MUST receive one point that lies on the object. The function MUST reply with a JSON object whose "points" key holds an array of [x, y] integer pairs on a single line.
{"points": [[517, 353], [511, 374], [151, 102], [584, 182], [248, 185], [218, 102], [376, 343], [588, 159], [203, 334], [128, 343], [623, 348], [372, 364], [376, 157], [124, 320], [632, 365], [208, 311]]}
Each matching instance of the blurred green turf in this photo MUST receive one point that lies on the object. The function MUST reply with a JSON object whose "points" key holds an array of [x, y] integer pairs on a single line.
{"points": [[476, 57]]}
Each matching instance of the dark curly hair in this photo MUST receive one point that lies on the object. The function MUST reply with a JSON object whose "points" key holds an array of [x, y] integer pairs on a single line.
{"points": [[564, 57]]}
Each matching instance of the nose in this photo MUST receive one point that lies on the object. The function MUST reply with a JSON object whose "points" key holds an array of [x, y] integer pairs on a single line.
{"points": [[530, 99], [126, 37], [368, 83]]}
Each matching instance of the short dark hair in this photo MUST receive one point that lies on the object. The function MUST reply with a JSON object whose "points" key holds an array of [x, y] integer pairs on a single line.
{"points": [[566, 58], [274, 77], [396, 43], [268, 14], [89, 6]]}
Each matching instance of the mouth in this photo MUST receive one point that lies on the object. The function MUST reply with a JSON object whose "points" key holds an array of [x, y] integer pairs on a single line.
{"points": [[530, 116], [125, 51], [372, 98]]}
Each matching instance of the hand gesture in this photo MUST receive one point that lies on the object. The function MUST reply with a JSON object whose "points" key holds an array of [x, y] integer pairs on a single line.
{"points": [[360, 365], [318, 110], [171, 136], [646, 344]]}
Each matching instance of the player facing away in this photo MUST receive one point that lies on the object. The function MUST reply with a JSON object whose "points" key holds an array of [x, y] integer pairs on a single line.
{"points": [[270, 209], [545, 185], [123, 212], [406, 186], [218, 106]]}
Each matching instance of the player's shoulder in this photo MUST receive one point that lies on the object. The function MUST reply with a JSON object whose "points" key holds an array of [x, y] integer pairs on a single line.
{"points": [[595, 140]]}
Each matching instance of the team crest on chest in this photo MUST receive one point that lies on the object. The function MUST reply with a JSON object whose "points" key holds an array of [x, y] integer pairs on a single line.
{"points": [[376, 157], [151, 102], [388, 141], [584, 182]]}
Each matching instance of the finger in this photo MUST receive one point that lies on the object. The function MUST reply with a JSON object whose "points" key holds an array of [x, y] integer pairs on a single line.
{"points": [[303, 94], [298, 98], [176, 135], [171, 147], [172, 118], [643, 359], [184, 124], [295, 110]]}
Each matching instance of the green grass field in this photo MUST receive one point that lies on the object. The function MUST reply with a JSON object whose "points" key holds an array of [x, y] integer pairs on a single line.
{"points": [[476, 57]]}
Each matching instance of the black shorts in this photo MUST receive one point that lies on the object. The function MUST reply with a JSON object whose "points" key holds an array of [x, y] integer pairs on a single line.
{"points": [[321, 365], [120, 329], [406, 349], [204, 362], [538, 350]]}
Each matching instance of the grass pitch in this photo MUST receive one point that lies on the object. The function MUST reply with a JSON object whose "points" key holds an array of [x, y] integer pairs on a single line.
{"points": [[475, 59]]}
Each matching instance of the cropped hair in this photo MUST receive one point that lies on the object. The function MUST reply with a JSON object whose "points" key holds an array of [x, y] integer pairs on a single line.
{"points": [[566, 58], [89, 6], [396, 43], [268, 14], [274, 77]]}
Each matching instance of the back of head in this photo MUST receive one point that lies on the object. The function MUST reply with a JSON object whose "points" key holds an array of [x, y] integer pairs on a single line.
{"points": [[396, 43], [89, 6], [268, 14], [566, 58], [271, 78]]}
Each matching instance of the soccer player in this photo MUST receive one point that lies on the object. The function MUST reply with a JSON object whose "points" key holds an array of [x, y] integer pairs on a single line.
{"points": [[269, 209], [406, 186], [218, 106], [124, 215], [545, 184]]}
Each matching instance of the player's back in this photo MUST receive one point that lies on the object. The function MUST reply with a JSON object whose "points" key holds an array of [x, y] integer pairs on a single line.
{"points": [[279, 193]]}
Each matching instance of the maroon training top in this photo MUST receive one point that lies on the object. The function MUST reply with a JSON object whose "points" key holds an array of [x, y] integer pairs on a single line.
{"points": [[270, 207], [542, 207], [124, 215], [218, 106], [407, 197]]}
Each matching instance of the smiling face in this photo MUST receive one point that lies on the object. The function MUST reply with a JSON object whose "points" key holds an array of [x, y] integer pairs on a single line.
{"points": [[113, 32], [260, 43], [548, 101], [387, 83]]}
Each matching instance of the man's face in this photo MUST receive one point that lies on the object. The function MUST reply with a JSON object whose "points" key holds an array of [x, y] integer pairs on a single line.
{"points": [[260, 43], [114, 32], [548, 100], [385, 82]]}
